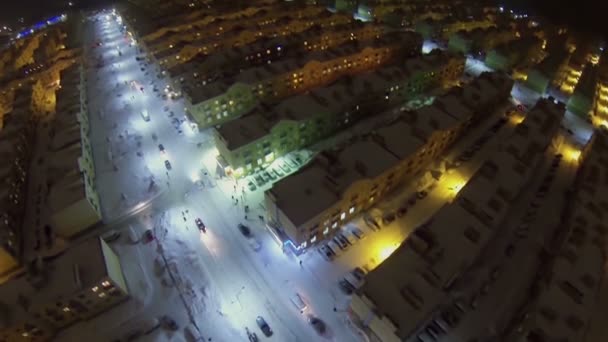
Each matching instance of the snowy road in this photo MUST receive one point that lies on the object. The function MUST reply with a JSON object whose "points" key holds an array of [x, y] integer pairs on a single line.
{"points": [[221, 283]]}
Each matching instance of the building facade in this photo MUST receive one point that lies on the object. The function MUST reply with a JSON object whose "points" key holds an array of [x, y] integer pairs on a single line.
{"points": [[310, 205], [83, 282], [251, 142]]}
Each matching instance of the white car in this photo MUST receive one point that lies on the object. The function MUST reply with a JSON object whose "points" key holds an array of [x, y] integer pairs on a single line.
{"points": [[299, 302]]}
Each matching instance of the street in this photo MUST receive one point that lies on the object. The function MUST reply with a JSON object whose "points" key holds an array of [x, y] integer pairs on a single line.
{"points": [[220, 283]]}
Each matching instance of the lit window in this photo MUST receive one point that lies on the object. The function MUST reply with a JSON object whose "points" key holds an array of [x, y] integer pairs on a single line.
{"points": [[351, 210], [342, 216], [95, 289], [314, 238]]}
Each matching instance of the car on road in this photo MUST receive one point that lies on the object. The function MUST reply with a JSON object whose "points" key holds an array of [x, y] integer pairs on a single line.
{"points": [[168, 165], [268, 175], [161, 148], [388, 218], [169, 323], [317, 324], [251, 186], [325, 253], [298, 302], [346, 287], [333, 247], [343, 239], [133, 236], [358, 273], [401, 211], [111, 236], [339, 243], [421, 194], [245, 230], [200, 225], [358, 233], [264, 326], [148, 236]]}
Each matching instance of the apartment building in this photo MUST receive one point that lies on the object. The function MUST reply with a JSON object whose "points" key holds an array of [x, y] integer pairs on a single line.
{"points": [[252, 141], [408, 288], [225, 99], [516, 54], [600, 111], [443, 29], [263, 49], [542, 75], [16, 138], [480, 41], [73, 199], [583, 98], [351, 179], [77, 285], [564, 305], [237, 32]]}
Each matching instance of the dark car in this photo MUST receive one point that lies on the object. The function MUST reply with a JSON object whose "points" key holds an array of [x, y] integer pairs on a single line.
{"points": [[317, 324], [358, 273], [244, 230], [201, 226], [421, 194], [161, 148], [167, 165], [168, 323], [264, 326], [346, 287], [148, 236]]}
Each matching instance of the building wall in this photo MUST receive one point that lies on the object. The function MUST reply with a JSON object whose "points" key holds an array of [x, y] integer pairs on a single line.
{"points": [[362, 194], [75, 218], [288, 136], [314, 74], [114, 268]]}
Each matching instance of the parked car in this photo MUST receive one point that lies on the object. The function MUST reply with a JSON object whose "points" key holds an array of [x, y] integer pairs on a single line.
{"points": [[325, 253], [200, 225], [168, 165], [340, 244], [343, 239], [251, 186], [346, 287], [421, 194], [299, 303], [349, 236], [359, 273], [401, 211], [317, 324], [148, 236], [388, 218], [264, 326], [133, 236], [334, 248], [244, 230], [111, 236], [168, 323], [161, 148], [358, 233]]}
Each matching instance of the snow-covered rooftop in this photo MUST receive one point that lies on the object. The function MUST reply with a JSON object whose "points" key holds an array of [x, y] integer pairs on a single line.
{"points": [[75, 270], [570, 295]]}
